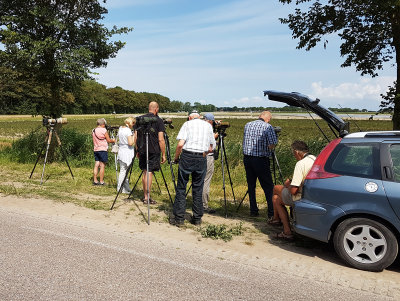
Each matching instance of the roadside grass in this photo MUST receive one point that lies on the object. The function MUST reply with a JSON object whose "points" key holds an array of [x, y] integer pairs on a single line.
{"points": [[20, 143]]}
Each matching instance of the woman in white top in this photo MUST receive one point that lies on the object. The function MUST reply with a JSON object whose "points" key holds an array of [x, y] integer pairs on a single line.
{"points": [[126, 151]]}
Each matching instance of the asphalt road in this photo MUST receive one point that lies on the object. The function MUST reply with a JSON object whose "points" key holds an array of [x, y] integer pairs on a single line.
{"points": [[50, 259]]}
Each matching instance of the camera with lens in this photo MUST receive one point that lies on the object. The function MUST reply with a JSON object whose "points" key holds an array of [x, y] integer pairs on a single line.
{"points": [[168, 121], [112, 127], [145, 120], [47, 121], [221, 126], [277, 130]]}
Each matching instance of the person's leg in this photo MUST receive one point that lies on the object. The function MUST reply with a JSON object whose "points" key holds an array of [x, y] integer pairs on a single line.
{"points": [[122, 172], [180, 196], [275, 201], [283, 197], [144, 182], [264, 176], [251, 183], [101, 173], [207, 181], [96, 171], [198, 174]]}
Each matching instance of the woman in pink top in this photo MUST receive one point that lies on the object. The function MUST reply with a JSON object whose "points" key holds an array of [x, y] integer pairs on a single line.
{"points": [[100, 143]]}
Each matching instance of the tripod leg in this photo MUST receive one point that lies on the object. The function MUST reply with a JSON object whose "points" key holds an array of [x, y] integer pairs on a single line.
{"points": [[229, 173], [40, 154], [168, 151], [190, 187], [279, 168], [240, 204], [47, 152], [155, 178], [166, 186], [121, 187], [137, 181], [63, 153], [221, 141]]}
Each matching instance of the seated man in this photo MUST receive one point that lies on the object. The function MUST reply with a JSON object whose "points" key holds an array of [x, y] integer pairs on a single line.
{"points": [[287, 194]]}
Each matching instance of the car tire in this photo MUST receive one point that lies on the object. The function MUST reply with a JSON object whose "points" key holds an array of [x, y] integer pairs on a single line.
{"points": [[365, 244]]}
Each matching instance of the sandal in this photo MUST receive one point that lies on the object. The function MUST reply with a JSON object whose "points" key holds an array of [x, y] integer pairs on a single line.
{"points": [[152, 202], [283, 236], [275, 223]]}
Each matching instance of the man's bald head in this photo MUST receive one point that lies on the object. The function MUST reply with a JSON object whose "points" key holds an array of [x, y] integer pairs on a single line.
{"points": [[194, 116], [153, 107], [266, 116]]}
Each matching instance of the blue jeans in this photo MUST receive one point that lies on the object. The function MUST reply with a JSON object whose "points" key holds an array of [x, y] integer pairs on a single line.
{"points": [[196, 166], [259, 168]]}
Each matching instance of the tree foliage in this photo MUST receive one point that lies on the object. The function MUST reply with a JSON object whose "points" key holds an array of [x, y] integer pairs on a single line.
{"points": [[369, 30], [56, 44]]}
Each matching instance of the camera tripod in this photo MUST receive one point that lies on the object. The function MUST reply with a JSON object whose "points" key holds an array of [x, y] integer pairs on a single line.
{"points": [[51, 130], [129, 170], [222, 151], [275, 165]]}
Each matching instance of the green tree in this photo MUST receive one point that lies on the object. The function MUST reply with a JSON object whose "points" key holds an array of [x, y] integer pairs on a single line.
{"points": [[370, 31], [56, 42]]}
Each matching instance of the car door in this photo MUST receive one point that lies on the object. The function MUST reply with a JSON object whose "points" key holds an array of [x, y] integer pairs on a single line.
{"points": [[390, 158]]}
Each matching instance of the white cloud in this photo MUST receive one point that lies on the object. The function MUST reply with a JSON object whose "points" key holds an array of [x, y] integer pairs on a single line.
{"points": [[362, 94]]}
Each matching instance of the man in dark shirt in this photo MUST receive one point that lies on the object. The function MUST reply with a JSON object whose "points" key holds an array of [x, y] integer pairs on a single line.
{"points": [[156, 131]]}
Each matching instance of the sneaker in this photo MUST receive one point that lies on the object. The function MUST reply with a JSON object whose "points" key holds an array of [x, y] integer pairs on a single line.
{"points": [[96, 183], [101, 183]]}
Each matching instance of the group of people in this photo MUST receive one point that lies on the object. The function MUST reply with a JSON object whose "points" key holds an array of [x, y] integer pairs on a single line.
{"points": [[195, 156]]}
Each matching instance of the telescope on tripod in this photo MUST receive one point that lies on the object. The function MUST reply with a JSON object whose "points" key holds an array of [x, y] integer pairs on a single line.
{"points": [[52, 126], [145, 126]]}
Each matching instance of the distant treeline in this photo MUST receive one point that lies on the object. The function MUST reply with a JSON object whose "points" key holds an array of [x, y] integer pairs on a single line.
{"points": [[19, 95]]}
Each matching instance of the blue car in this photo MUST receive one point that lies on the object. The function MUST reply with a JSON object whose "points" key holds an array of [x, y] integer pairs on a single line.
{"points": [[351, 195]]}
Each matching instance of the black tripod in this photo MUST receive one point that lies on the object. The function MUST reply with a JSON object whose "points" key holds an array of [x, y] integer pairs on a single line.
{"points": [[275, 164], [51, 129], [129, 170], [222, 151]]}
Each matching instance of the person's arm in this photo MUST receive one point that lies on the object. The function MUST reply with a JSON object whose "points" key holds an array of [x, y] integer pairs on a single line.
{"points": [[292, 189], [131, 140], [109, 140], [178, 151], [161, 142]]}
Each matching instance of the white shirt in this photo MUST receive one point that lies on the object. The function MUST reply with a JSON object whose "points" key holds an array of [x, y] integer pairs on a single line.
{"points": [[198, 135], [300, 173], [125, 152]]}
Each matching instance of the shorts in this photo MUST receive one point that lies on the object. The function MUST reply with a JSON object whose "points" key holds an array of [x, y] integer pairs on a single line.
{"points": [[101, 156], [154, 161], [287, 197]]}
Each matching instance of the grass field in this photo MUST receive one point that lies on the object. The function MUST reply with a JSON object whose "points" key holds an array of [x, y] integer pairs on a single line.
{"points": [[60, 186]]}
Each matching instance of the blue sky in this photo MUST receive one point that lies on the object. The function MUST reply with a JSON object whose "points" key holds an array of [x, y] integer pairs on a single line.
{"points": [[226, 52]]}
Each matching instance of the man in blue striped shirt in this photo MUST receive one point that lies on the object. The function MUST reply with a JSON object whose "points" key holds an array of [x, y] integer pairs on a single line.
{"points": [[259, 140]]}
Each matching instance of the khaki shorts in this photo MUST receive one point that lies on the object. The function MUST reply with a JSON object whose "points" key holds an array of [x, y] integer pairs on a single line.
{"points": [[287, 197]]}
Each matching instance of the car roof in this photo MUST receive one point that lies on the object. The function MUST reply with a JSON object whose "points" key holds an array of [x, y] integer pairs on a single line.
{"points": [[374, 134]]}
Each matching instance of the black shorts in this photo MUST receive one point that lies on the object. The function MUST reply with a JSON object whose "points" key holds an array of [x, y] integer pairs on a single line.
{"points": [[154, 161], [101, 156]]}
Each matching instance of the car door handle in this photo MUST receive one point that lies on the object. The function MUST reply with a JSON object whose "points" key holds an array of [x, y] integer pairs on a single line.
{"points": [[388, 172]]}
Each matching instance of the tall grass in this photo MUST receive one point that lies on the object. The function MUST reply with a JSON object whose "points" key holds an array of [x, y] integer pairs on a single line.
{"points": [[77, 143]]}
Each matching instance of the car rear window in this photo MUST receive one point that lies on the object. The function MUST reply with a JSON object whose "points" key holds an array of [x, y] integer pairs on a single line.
{"points": [[395, 154], [359, 160]]}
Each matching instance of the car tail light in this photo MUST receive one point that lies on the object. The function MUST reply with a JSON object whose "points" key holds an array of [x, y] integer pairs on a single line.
{"points": [[318, 169]]}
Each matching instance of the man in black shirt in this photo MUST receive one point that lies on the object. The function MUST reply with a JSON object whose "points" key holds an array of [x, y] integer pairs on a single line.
{"points": [[156, 131]]}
